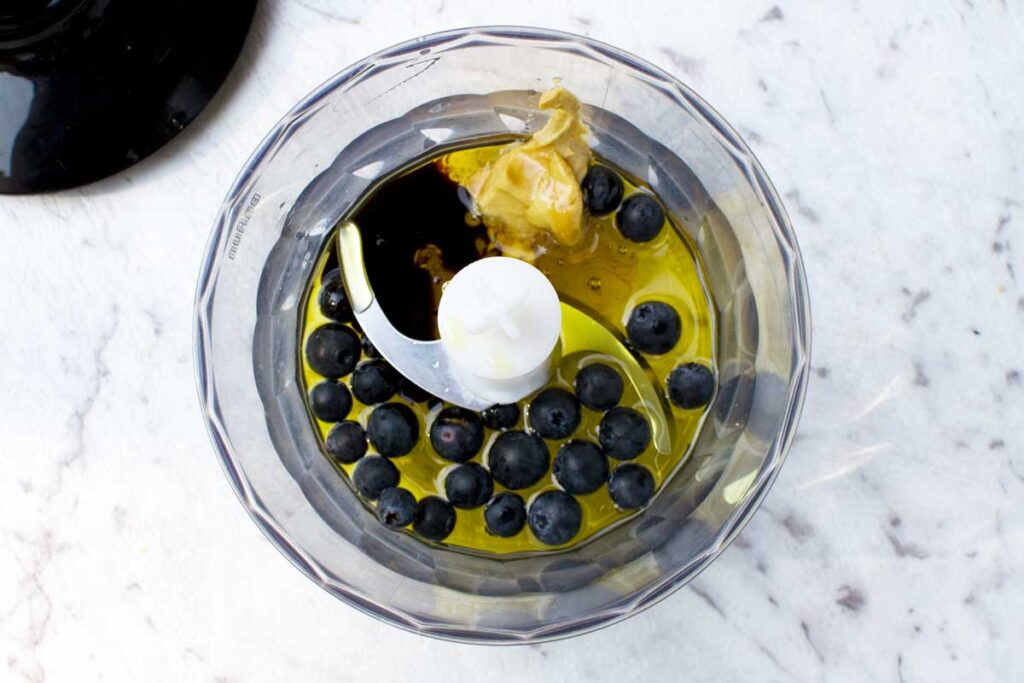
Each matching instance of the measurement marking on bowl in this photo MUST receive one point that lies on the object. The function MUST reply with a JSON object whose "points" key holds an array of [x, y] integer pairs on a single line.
{"points": [[239, 230]]}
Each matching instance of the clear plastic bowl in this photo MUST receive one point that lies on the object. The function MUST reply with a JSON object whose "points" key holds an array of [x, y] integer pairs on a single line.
{"points": [[376, 117]]}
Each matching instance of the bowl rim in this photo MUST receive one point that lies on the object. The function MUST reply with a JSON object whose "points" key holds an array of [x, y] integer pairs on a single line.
{"points": [[670, 581]]}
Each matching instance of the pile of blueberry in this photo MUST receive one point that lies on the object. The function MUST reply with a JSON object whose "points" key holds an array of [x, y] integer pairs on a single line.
{"points": [[654, 327], [640, 218], [519, 459], [334, 351]]}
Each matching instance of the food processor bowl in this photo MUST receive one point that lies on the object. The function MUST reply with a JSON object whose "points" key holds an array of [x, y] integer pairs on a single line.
{"points": [[408, 103]]}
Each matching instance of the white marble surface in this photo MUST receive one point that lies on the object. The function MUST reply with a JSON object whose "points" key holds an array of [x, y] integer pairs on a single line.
{"points": [[892, 546]]}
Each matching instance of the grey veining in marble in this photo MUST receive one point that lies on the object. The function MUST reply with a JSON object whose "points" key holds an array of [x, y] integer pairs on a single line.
{"points": [[892, 546]]}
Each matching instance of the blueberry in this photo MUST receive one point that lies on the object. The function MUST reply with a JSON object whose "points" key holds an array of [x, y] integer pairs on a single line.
{"points": [[396, 507], [457, 434], [640, 218], [623, 433], [333, 300], [555, 517], [631, 486], [599, 386], [602, 190], [369, 350], [503, 416], [393, 429], [333, 350], [330, 401], [374, 381], [654, 327], [505, 515], [580, 467], [468, 486], [691, 385], [554, 414], [373, 474], [518, 460], [346, 442], [435, 519], [414, 393]]}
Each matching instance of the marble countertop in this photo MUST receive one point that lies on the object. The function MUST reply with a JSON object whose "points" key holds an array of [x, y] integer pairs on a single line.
{"points": [[892, 545]]}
